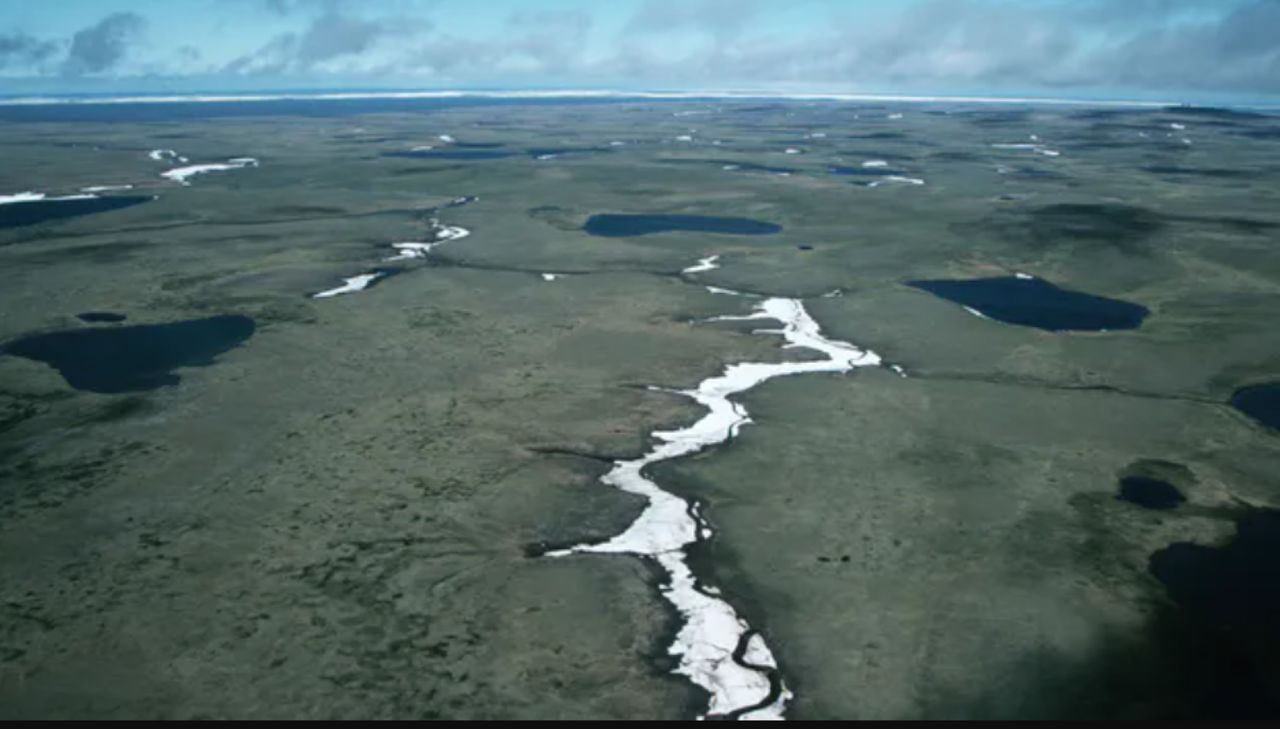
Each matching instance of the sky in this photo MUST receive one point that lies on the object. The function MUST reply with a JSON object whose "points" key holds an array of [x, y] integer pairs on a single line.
{"points": [[1138, 49]]}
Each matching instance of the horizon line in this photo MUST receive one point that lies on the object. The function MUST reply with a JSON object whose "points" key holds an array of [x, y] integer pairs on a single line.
{"points": [[258, 97]]}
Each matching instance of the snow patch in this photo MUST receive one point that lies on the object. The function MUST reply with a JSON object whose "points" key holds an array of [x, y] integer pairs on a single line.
{"points": [[29, 197], [706, 264], [166, 155], [21, 197], [106, 188], [898, 179], [724, 292], [1037, 148], [182, 174], [351, 285]]}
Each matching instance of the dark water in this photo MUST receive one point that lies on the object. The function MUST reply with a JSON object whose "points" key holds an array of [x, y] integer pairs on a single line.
{"points": [[879, 135], [15, 215], [1242, 225], [1033, 173], [1262, 403], [383, 273], [1210, 172], [751, 167], [1039, 304], [136, 358], [996, 118], [1266, 134], [1230, 601], [884, 155], [560, 151], [1214, 112], [864, 171], [454, 154], [101, 317], [739, 166], [622, 226], [1150, 493]]}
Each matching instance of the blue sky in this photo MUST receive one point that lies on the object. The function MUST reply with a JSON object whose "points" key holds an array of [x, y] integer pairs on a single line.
{"points": [[1173, 49]]}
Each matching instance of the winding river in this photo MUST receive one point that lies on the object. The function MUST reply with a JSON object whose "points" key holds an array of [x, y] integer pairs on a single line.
{"points": [[718, 650]]}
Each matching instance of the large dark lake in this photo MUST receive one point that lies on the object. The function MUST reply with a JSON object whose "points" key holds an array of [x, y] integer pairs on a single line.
{"points": [[16, 215], [1262, 403], [1035, 303], [624, 226], [132, 359]]}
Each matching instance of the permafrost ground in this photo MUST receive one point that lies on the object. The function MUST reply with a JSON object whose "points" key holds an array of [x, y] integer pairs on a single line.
{"points": [[346, 514]]}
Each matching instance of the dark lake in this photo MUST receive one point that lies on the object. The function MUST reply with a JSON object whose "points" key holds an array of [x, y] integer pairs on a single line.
{"points": [[864, 171], [15, 215], [732, 166], [1213, 172], [136, 358], [751, 167], [1150, 493], [454, 154], [559, 151], [101, 317], [1032, 173], [1229, 598], [1035, 303], [622, 226], [1262, 403]]}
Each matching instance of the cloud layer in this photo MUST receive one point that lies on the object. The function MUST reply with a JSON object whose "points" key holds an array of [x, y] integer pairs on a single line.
{"points": [[1051, 45], [103, 45]]}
